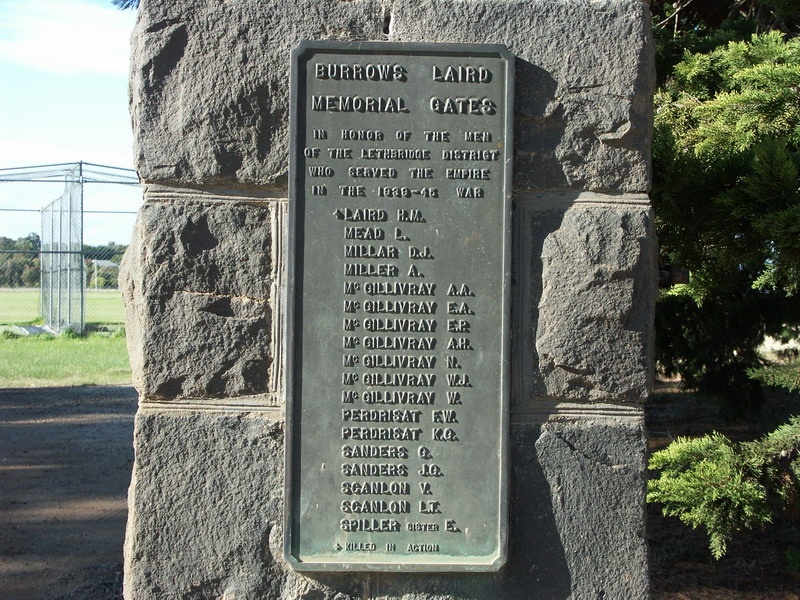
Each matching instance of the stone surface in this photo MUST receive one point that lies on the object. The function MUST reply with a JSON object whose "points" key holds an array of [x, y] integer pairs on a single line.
{"points": [[586, 320], [584, 82], [595, 470], [196, 285], [206, 511], [199, 116], [205, 506], [201, 281]]}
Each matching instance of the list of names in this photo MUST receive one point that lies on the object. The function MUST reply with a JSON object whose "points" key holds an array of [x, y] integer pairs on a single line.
{"points": [[398, 379]]}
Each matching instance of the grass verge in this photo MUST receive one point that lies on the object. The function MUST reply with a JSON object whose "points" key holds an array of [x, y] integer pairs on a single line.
{"points": [[21, 305], [104, 306], [42, 361]]}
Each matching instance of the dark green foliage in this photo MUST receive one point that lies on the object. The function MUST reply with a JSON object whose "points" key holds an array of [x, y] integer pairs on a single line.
{"points": [[713, 348], [695, 23], [784, 371], [670, 49], [125, 4], [727, 198], [19, 261], [723, 487], [780, 375], [793, 560], [726, 181], [725, 101]]}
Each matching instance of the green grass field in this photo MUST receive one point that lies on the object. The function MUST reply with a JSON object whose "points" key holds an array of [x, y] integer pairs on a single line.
{"points": [[45, 361], [104, 306], [21, 306]]}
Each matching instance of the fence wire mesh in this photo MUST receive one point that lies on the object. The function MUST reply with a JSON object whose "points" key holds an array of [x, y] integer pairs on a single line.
{"points": [[61, 260], [57, 265]]}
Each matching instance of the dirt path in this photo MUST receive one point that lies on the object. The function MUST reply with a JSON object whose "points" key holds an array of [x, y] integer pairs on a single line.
{"points": [[65, 466]]}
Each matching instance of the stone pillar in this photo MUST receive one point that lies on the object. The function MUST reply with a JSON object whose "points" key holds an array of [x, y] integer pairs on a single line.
{"points": [[203, 279]]}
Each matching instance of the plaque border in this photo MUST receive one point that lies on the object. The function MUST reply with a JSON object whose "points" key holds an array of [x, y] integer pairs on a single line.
{"points": [[293, 242]]}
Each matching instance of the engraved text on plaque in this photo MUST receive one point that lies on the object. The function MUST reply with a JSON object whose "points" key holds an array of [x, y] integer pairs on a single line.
{"points": [[398, 310]]}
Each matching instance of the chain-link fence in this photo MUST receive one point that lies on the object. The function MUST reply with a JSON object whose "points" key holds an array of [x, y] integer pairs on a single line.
{"points": [[61, 260], [63, 230]]}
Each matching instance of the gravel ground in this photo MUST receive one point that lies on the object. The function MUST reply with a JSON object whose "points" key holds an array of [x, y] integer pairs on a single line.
{"points": [[65, 466]]}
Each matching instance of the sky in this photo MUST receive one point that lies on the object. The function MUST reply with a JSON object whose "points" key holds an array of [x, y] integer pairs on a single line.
{"points": [[64, 98]]}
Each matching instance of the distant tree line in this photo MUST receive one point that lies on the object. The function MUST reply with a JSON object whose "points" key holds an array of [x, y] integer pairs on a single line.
{"points": [[20, 264], [101, 276], [109, 251], [19, 261]]}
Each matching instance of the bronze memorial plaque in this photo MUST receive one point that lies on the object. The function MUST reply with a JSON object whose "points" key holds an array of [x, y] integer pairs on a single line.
{"points": [[398, 306]]}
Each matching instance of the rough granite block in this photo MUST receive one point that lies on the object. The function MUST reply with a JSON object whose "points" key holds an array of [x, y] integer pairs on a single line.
{"points": [[205, 506], [595, 470], [206, 510], [583, 108], [196, 283], [585, 316], [583, 94], [210, 83]]}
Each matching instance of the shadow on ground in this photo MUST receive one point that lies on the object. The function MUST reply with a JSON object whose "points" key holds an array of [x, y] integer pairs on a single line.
{"points": [[65, 465]]}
